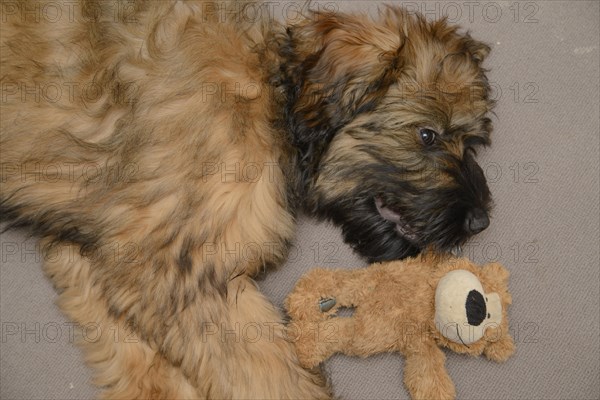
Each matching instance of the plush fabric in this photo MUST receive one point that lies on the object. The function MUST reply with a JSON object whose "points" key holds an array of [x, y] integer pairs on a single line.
{"points": [[412, 306]]}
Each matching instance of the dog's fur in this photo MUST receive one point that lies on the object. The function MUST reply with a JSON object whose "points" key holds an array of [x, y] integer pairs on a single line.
{"points": [[168, 172]]}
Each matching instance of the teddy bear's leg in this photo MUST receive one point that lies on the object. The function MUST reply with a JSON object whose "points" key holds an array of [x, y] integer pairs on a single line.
{"points": [[370, 337], [316, 342], [425, 374]]}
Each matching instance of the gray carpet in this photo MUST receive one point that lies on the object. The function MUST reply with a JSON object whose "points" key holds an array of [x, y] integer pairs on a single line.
{"points": [[543, 170]]}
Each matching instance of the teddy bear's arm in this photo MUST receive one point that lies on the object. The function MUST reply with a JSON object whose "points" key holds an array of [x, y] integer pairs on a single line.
{"points": [[425, 373], [344, 287], [317, 341]]}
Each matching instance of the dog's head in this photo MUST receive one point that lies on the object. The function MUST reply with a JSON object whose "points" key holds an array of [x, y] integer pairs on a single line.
{"points": [[387, 114]]}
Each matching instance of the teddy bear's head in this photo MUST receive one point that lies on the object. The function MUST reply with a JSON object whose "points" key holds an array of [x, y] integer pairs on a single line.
{"points": [[471, 309]]}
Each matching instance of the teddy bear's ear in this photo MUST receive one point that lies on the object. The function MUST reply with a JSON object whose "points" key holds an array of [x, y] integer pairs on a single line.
{"points": [[496, 274], [495, 279]]}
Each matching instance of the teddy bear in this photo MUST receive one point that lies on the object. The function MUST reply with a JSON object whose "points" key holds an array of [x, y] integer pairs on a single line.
{"points": [[416, 307]]}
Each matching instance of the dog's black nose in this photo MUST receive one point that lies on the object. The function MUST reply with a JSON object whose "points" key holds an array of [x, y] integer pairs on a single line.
{"points": [[476, 221]]}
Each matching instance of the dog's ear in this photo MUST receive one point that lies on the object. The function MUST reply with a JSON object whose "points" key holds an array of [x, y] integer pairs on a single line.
{"points": [[478, 50], [345, 64]]}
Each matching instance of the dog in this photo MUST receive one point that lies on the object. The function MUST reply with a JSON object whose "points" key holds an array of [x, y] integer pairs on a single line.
{"points": [[161, 150]]}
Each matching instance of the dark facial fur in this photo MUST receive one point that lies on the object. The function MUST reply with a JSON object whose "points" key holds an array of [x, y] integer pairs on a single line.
{"points": [[365, 97]]}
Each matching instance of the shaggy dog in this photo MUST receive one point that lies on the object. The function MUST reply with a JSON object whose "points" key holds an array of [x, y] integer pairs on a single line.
{"points": [[162, 148]]}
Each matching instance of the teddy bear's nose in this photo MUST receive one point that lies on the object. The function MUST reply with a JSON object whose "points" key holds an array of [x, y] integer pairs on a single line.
{"points": [[476, 308]]}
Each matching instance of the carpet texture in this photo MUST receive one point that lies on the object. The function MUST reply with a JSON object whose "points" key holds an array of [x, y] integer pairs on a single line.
{"points": [[543, 171]]}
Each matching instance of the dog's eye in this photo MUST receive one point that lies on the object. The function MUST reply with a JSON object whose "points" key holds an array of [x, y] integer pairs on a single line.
{"points": [[427, 136]]}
